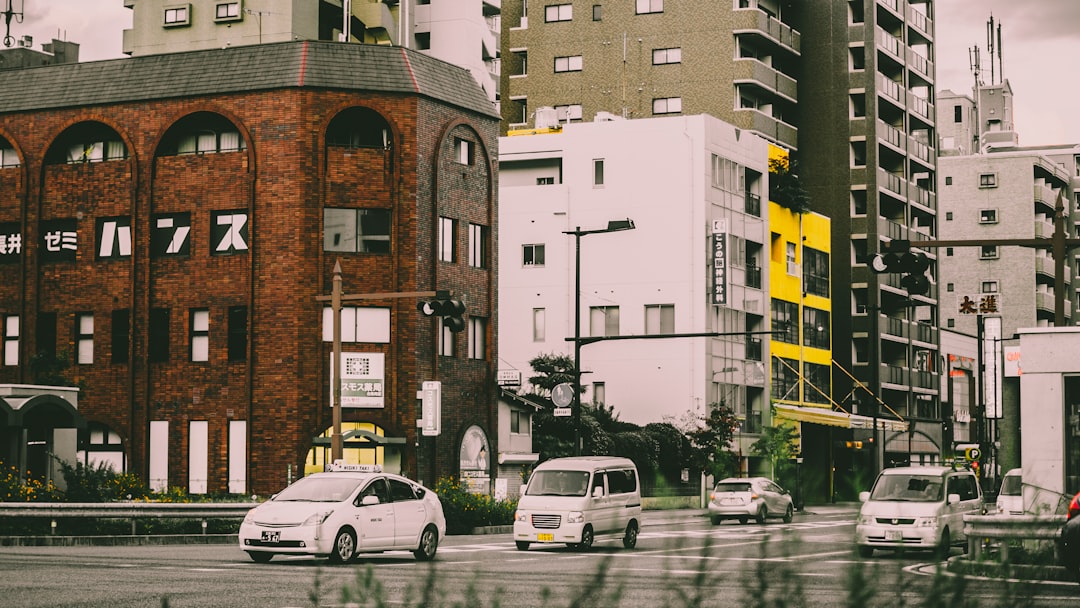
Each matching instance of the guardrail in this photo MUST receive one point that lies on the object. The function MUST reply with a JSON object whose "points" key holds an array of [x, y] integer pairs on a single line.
{"points": [[126, 510], [1005, 528]]}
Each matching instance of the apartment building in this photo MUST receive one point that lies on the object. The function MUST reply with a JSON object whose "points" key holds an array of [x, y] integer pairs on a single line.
{"points": [[696, 261], [735, 60], [465, 33], [169, 243], [868, 155]]}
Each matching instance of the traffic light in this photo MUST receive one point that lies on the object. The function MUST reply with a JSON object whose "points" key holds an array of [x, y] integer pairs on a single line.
{"points": [[898, 258], [450, 309]]}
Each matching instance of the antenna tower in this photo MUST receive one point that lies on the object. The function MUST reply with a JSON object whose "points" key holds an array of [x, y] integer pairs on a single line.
{"points": [[10, 13]]}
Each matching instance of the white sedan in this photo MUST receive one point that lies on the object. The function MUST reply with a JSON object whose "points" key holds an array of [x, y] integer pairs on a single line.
{"points": [[348, 510]]}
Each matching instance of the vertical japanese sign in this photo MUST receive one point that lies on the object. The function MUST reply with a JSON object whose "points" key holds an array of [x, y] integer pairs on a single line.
{"points": [[362, 380], [719, 261], [431, 404], [10, 243]]}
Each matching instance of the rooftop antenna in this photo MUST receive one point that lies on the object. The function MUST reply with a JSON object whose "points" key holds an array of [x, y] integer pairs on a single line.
{"points": [[1001, 64], [990, 45], [10, 13]]}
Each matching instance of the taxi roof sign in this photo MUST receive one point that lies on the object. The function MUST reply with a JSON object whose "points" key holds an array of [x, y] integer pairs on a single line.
{"points": [[339, 466]]}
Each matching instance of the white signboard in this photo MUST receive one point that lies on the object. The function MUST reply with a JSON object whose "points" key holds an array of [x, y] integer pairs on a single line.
{"points": [[431, 407], [363, 380]]}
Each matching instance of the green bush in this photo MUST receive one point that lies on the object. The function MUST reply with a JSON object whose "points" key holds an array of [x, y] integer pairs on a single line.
{"points": [[100, 484], [14, 488], [465, 510]]}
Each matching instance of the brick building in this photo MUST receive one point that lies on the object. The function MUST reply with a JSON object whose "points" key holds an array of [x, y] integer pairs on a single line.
{"points": [[168, 223]]}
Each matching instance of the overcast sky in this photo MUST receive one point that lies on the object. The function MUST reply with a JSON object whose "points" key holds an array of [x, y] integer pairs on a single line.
{"points": [[1040, 42]]}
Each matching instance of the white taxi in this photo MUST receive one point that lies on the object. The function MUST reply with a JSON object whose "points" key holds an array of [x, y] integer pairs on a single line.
{"points": [[349, 509]]}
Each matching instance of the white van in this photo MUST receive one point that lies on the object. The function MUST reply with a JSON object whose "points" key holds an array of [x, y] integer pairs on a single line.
{"points": [[1010, 498], [577, 500], [917, 508]]}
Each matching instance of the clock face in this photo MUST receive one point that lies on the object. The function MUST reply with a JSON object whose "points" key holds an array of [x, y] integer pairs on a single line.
{"points": [[877, 263]]}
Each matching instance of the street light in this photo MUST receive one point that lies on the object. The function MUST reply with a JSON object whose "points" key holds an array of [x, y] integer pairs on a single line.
{"points": [[613, 226]]}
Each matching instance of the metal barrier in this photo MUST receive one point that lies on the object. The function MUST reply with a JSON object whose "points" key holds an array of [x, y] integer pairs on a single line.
{"points": [[126, 510], [980, 529]]}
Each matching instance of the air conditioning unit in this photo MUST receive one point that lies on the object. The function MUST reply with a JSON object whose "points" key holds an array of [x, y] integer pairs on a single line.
{"points": [[26, 41], [546, 117], [606, 117]]}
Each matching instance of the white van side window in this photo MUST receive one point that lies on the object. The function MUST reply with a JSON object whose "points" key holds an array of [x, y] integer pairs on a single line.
{"points": [[622, 481]]}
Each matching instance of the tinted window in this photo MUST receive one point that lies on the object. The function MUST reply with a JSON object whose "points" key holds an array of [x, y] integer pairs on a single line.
{"points": [[964, 485], [558, 483], [732, 487], [378, 489], [908, 488], [622, 481], [401, 491], [1010, 486]]}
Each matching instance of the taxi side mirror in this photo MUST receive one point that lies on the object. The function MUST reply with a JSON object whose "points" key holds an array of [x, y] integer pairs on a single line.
{"points": [[369, 500]]}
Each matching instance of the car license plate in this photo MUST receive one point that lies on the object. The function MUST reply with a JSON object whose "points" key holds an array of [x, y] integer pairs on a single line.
{"points": [[271, 537], [731, 501], [894, 535], [545, 538]]}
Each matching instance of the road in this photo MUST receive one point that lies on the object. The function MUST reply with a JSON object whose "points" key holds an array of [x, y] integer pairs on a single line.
{"points": [[808, 563]]}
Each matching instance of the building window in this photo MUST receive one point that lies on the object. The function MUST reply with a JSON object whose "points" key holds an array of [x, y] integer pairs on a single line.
{"points": [[558, 12], [785, 321], [817, 387], [539, 318], [659, 319], [11, 340], [950, 323], [359, 324], [948, 216], [84, 338], [210, 142], [45, 334], [158, 346], [988, 252], [948, 180], [988, 180], [177, 15], [519, 422], [650, 6], [463, 151], [725, 174], [478, 245], [949, 287], [596, 12], [599, 393], [568, 64], [667, 105], [477, 329], [598, 172], [815, 272], [785, 379], [532, 255], [568, 112], [948, 252], [958, 114], [663, 56], [356, 230], [447, 239], [199, 334], [989, 286], [227, 11], [121, 330], [816, 328], [604, 321], [237, 330], [445, 344], [545, 181], [988, 216]]}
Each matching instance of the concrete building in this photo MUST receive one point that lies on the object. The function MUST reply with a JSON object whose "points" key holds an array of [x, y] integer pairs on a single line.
{"points": [[648, 58], [169, 230], [23, 55], [695, 262], [462, 32]]}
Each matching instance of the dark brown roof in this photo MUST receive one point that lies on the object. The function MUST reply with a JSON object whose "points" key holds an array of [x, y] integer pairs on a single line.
{"points": [[322, 65]]}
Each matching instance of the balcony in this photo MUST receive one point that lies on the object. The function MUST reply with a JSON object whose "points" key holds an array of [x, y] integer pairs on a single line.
{"points": [[891, 182], [919, 21], [921, 64], [768, 127], [889, 43], [891, 89], [1044, 229], [757, 22], [891, 135], [755, 73], [922, 196]]}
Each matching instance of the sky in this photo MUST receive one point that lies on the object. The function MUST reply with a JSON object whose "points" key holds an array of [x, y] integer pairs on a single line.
{"points": [[1039, 38]]}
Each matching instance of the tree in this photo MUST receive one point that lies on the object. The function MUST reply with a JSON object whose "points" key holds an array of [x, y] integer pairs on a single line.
{"points": [[779, 444], [785, 187], [710, 441], [551, 370]]}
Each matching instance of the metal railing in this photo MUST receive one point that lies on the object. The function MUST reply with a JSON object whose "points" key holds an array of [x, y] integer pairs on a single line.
{"points": [[1003, 529], [133, 511]]}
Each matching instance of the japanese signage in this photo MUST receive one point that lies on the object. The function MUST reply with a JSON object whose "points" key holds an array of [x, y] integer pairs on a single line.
{"points": [[978, 304], [113, 237], [719, 262], [170, 235], [362, 379], [228, 232], [10, 243], [431, 407]]}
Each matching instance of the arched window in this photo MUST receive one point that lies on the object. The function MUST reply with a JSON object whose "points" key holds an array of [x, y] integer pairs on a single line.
{"points": [[359, 128], [8, 157], [87, 142], [202, 133]]}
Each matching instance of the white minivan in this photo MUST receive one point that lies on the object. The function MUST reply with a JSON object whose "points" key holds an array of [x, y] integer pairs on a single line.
{"points": [[917, 508], [577, 500]]}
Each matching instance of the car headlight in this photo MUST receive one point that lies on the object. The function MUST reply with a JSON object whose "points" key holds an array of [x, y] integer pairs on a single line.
{"points": [[575, 517], [521, 516], [249, 517], [865, 520], [926, 522], [316, 519]]}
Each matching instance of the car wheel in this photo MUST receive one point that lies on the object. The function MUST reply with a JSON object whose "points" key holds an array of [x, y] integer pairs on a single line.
{"points": [[743, 520], [629, 540], [260, 557], [344, 546], [522, 545], [865, 551], [586, 539], [945, 545], [789, 514], [716, 520], [762, 513], [429, 543]]}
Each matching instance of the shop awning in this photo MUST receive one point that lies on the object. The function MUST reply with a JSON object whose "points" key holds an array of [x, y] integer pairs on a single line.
{"points": [[829, 417]]}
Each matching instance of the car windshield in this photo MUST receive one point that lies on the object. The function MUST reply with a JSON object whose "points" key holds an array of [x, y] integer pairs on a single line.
{"points": [[732, 487], [558, 483], [1010, 486], [319, 489], [908, 488]]}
